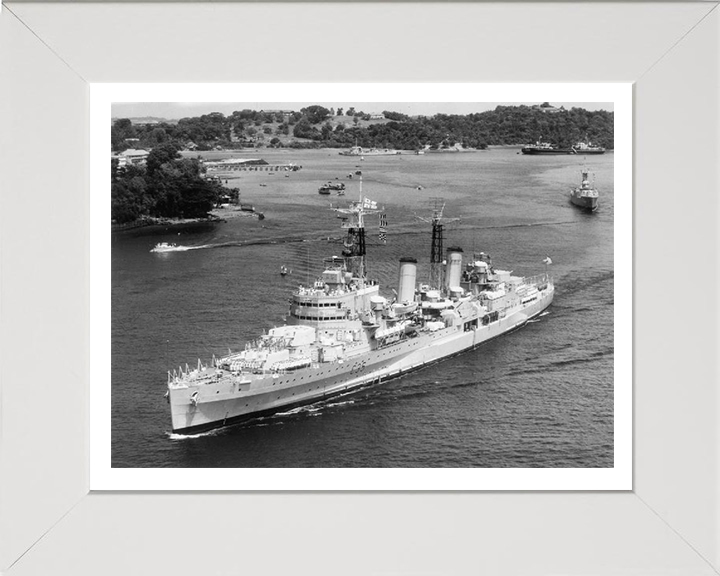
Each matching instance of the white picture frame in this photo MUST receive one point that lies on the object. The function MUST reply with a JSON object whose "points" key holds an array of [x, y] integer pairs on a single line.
{"points": [[668, 524]]}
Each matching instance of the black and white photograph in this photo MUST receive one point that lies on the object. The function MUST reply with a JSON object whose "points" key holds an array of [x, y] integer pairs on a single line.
{"points": [[584, 435], [359, 284]]}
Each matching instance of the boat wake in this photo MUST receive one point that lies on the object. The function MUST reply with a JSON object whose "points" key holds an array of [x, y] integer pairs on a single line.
{"points": [[537, 319], [239, 244], [179, 248], [175, 436], [312, 409]]}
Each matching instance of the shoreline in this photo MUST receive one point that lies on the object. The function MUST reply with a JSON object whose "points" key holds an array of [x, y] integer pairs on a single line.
{"points": [[215, 215]]}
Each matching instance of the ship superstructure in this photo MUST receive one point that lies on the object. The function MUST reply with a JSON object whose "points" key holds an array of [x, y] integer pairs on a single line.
{"points": [[342, 334]]}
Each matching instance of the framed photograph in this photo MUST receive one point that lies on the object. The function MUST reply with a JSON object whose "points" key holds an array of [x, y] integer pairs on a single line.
{"points": [[299, 216], [612, 398]]}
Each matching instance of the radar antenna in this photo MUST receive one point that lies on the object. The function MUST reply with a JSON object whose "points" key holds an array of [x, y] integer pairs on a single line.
{"points": [[436, 250]]}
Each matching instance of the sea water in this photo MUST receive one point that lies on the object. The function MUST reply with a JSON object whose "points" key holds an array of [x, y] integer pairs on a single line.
{"points": [[538, 397]]}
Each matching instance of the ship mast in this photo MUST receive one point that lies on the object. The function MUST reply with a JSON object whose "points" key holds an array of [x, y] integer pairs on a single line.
{"points": [[354, 222], [437, 271]]}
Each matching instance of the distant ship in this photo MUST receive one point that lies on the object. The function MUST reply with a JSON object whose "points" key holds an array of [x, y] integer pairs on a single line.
{"points": [[360, 151], [545, 148], [339, 187], [540, 148], [342, 334], [585, 196], [587, 148]]}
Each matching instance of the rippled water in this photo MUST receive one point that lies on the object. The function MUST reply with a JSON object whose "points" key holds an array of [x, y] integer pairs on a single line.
{"points": [[539, 397]]}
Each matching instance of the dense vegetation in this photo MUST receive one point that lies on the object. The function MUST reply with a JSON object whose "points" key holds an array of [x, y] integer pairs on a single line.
{"points": [[169, 186], [166, 187], [317, 126]]}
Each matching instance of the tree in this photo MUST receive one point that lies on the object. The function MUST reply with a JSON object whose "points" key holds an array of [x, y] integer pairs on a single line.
{"points": [[160, 155], [339, 111], [315, 114], [120, 131], [395, 116], [303, 129], [350, 112], [275, 142], [327, 130], [123, 124]]}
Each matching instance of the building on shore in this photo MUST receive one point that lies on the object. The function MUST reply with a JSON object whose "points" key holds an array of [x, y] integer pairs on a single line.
{"points": [[215, 167], [131, 157]]}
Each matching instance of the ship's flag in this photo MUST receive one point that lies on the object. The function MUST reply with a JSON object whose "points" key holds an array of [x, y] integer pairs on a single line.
{"points": [[383, 228], [369, 204], [547, 260]]}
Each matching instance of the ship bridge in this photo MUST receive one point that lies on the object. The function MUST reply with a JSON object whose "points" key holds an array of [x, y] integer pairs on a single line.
{"points": [[328, 302]]}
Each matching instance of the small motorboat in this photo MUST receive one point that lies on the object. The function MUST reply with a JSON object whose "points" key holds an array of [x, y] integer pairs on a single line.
{"points": [[164, 247]]}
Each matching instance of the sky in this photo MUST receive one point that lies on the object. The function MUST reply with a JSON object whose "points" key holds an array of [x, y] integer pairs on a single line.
{"points": [[175, 110]]}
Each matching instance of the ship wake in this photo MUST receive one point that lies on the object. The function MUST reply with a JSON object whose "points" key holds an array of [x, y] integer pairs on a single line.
{"points": [[175, 436]]}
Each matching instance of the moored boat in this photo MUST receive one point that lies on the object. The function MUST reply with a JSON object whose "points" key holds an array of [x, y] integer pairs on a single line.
{"points": [[360, 151], [540, 148], [332, 187], [587, 148]]}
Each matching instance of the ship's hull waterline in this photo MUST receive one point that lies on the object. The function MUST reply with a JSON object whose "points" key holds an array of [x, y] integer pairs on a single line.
{"points": [[231, 402], [561, 151]]}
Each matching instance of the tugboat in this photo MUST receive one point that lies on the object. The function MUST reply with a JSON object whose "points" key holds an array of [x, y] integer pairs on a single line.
{"points": [[342, 334], [585, 196]]}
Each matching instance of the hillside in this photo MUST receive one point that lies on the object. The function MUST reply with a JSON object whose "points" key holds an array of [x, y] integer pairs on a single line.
{"points": [[319, 127]]}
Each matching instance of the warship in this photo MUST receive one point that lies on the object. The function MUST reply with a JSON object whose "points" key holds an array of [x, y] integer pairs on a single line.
{"points": [[360, 151], [585, 196], [341, 334]]}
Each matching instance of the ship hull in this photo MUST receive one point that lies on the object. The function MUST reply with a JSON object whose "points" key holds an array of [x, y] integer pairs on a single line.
{"points": [[559, 151], [546, 152], [396, 153], [226, 403], [588, 204]]}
